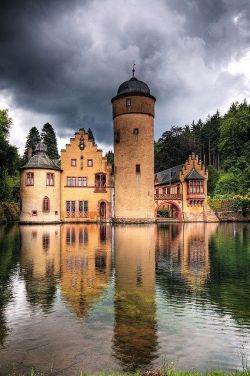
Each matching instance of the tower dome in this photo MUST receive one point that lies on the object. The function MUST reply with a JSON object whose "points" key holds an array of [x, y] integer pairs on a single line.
{"points": [[134, 86]]}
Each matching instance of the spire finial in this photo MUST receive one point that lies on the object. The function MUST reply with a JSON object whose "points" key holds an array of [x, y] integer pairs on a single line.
{"points": [[133, 70]]}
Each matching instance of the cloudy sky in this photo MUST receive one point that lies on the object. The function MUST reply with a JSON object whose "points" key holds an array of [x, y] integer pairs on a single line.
{"points": [[62, 61]]}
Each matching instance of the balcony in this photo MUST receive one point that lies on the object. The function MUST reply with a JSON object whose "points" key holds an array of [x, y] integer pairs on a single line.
{"points": [[165, 196], [100, 189], [196, 196], [77, 214]]}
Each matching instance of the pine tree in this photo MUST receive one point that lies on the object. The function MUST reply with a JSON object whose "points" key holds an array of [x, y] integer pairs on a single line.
{"points": [[91, 136], [49, 139], [32, 140]]}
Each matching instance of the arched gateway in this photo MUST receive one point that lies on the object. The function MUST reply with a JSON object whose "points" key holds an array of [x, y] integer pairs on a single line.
{"points": [[168, 210]]}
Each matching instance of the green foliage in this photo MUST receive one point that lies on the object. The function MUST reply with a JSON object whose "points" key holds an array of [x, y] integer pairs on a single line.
{"points": [[9, 161], [32, 140], [163, 213], [241, 203], [91, 136], [222, 143], [110, 157], [48, 137]]}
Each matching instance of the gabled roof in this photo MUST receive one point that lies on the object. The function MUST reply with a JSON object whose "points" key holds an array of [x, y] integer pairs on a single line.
{"points": [[41, 160], [171, 175], [194, 175]]}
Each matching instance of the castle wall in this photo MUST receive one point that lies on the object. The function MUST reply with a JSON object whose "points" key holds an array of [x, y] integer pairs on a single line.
{"points": [[32, 196], [90, 193]]}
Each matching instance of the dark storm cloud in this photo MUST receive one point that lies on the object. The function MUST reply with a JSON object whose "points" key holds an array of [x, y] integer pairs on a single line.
{"points": [[67, 58]]}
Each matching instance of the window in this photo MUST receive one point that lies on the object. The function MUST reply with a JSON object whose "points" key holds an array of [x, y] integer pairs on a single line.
{"points": [[83, 207], [29, 178], [34, 212], [138, 169], [117, 136], [71, 181], [50, 179], [100, 180], [70, 208], [73, 162], [82, 181], [136, 131], [128, 102], [196, 187], [90, 163], [46, 207], [157, 192]]}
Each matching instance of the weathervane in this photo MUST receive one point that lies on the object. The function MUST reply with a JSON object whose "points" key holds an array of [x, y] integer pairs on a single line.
{"points": [[133, 70]]}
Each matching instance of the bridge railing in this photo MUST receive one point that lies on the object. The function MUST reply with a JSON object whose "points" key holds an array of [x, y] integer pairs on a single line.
{"points": [[165, 196]]}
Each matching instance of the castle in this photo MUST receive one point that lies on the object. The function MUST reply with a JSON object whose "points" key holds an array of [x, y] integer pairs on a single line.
{"points": [[82, 188]]}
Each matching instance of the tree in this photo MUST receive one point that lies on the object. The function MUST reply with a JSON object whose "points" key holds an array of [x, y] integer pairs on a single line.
{"points": [[32, 140], [173, 148], [110, 157], [9, 160], [49, 139], [91, 136]]}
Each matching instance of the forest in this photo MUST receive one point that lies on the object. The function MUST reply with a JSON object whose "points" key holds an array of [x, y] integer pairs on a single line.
{"points": [[221, 141]]}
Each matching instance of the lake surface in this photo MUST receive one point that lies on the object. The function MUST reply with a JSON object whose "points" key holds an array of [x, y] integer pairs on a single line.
{"points": [[102, 298]]}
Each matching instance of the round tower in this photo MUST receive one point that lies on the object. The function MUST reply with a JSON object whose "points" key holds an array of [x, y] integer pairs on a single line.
{"points": [[40, 188], [133, 116]]}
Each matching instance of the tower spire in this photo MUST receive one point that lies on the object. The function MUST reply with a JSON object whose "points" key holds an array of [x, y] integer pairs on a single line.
{"points": [[133, 70]]}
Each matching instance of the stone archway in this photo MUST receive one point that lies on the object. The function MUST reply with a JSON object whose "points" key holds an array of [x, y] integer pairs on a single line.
{"points": [[168, 209]]}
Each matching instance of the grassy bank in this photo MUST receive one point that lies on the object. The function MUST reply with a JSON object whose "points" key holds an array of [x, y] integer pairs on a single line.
{"points": [[9, 212], [168, 372]]}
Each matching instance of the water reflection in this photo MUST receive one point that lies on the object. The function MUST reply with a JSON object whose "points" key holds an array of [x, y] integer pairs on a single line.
{"points": [[135, 338], [85, 264], [146, 292], [40, 263], [183, 253]]}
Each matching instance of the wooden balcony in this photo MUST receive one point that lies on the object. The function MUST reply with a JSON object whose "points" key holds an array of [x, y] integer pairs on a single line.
{"points": [[196, 196], [165, 196]]}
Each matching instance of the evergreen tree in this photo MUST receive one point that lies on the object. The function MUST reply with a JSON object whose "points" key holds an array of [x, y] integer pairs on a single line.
{"points": [[32, 140], [110, 157], [49, 139], [91, 136]]}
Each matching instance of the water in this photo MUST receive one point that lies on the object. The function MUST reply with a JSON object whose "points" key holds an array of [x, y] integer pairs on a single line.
{"points": [[102, 298]]}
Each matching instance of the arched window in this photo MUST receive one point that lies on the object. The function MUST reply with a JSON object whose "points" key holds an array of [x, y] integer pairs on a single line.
{"points": [[46, 206]]}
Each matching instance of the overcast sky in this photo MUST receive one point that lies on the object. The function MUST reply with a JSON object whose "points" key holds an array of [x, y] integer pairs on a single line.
{"points": [[62, 61]]}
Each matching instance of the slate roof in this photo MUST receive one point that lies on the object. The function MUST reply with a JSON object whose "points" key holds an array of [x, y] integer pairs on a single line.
{"points": [[41, 160], [171, 175], [194, 175], [133, 86]]}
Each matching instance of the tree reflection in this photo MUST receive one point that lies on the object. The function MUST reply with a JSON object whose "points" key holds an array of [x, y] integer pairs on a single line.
{"points": [[9, 250]]}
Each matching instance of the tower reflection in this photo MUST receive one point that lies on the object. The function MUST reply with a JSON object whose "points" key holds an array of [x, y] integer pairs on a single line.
{"points": [[85, 264], [40, 263], [135, 339]]}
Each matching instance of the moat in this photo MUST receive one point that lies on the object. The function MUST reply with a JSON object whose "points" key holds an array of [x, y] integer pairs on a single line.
{"points": [[101, 298]]}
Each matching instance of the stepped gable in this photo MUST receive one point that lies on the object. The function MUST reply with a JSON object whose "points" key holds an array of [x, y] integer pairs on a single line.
{"points": [[171, 175], [41, 159]]}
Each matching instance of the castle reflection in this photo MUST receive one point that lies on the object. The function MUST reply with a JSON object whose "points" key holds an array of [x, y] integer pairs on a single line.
{"points": [[135, 329], [183, 252], [40, 263], [85, 264], [76, 260]]}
